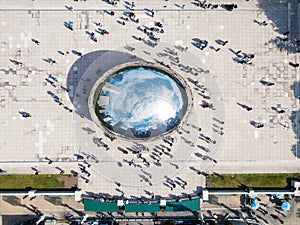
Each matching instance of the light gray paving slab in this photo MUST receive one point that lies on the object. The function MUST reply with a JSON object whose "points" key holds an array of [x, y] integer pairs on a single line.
{"points": [[54, 132]]}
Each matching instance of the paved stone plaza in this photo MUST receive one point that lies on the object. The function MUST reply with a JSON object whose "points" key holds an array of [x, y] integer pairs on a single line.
{"points": [[55, 132]]}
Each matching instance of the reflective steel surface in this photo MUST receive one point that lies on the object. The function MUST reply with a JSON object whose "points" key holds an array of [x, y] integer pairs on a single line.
{"points": [[141, 102]]}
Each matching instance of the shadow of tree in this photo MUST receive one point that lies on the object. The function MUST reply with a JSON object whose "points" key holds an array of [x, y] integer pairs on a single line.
{"points": [[28, 208], [18, 219], [13, 200], [53, 200], [229, 209], [295, 120], [79, 213], [213, 200], [243, 187], [284, 22]]}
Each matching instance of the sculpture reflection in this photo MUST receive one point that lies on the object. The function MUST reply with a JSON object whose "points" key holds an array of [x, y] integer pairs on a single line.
{"points": [[141, 102]]}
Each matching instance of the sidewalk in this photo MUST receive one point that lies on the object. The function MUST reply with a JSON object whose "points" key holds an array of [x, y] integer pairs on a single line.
{"points": [[221, 205], [49, 206]]}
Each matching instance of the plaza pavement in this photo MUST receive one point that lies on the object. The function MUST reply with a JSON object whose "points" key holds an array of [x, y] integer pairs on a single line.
{"points": [[221, 205], [56, 133], [58, 207]]}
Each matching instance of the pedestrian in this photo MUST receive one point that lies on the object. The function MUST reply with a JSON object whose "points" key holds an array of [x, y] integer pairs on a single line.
{"points": [[295, 65], [259, 125], [36, 210], [25, 114], [70, 25], [36, 41], [152, 13], [224, 43], [152, 196], [248, 108], [266, 206]]}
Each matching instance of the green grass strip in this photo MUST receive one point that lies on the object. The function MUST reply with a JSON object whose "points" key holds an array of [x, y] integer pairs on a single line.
{"points": [[17, 181], [251, 180]]}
